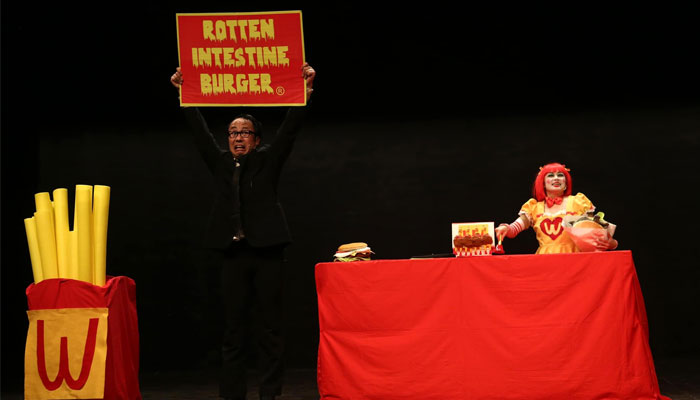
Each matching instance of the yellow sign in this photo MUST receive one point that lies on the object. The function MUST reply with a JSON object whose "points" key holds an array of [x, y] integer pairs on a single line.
{"points": [[65, 354]]}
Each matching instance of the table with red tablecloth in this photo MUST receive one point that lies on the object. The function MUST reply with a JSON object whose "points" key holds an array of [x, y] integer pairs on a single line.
{"points": [[551, 326]]}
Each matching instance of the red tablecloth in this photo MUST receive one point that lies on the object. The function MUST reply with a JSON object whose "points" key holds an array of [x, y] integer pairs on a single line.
{"points": [[555, 326], [119, 296]]}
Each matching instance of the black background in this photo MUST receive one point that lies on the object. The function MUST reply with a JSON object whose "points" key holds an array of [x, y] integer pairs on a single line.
{"points": [[421, 118]]}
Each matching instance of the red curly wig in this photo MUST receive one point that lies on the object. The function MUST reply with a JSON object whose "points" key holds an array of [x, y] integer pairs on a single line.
{"points": [[538, 191]]}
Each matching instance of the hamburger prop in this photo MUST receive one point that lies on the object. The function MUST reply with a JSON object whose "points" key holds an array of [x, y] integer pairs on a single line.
{"points": [[472, 239], [357, 251], [584, 230]]}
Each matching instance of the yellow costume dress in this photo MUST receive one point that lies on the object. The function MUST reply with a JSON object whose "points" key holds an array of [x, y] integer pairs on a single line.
{"points": [[548, 227]]}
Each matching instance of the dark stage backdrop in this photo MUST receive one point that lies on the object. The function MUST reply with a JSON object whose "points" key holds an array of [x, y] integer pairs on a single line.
{"points": [[420, 119]]}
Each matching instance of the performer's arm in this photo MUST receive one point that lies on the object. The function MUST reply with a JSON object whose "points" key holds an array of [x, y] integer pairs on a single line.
{"points": [[204, 139], [512, 230], [294, 118]]}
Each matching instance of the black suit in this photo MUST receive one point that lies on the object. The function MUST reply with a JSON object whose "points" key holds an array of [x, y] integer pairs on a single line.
{"points": [[263, 220], [252, 266]]}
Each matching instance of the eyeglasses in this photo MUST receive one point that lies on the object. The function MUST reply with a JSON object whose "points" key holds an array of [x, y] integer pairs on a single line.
{"points": [[243, 134]]}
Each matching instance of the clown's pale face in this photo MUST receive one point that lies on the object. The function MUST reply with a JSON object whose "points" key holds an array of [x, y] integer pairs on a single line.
{"points": [[555, 183]]}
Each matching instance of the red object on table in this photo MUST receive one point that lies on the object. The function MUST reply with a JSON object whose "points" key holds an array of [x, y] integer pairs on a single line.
{"points": [[119, 296], [551, 326]]}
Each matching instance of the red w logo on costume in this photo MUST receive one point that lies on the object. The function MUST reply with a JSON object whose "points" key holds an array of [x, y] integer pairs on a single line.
{"points": [[552, 227], [63, 368], [66, 353]]}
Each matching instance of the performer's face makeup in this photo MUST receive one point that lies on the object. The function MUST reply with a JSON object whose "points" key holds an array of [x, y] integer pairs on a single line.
{"points": [[555, 182], [238, 144]]}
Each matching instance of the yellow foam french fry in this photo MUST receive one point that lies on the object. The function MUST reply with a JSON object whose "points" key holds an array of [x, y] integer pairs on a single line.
{"points": [[73, 255], [83, 228], [60, 203], [33, 243], [42, 201], [47, 243], [101, 217], [74, 269]]}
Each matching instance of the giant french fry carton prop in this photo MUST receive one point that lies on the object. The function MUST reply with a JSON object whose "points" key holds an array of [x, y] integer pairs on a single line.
{"points": [[83, 340]]}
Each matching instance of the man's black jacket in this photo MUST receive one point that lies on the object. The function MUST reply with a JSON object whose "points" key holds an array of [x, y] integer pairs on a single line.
{"points": [[262, 217]]}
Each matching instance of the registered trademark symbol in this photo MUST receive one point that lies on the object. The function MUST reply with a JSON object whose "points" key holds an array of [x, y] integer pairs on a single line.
{"points": [[280, 90]]}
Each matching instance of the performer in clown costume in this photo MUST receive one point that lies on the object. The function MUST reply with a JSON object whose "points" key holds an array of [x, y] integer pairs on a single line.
{"points": [[545, 212]]}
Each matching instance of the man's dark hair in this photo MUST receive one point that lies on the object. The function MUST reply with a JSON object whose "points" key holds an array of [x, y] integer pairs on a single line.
{"points": [[257, 125]]}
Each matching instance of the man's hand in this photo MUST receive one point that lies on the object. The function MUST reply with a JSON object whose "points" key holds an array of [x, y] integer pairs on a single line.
{"points": [[176, 79], [307, 72]]}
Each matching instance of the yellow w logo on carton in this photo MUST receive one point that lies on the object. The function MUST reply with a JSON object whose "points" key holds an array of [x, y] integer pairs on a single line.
{"points": [[66, 353]]}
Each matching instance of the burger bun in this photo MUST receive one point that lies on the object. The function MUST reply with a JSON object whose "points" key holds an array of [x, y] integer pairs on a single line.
{"points": [[355, 246], [587, 224]]}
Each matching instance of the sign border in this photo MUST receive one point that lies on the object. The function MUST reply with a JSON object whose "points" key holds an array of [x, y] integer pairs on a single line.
{"points": [[179, 60]]}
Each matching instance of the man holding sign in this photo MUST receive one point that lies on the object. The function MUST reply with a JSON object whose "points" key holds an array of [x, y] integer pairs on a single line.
{"points": [[248, 228]]}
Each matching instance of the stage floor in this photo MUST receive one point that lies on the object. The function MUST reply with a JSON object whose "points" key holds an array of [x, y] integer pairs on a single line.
{"points": [[679, 379]]}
